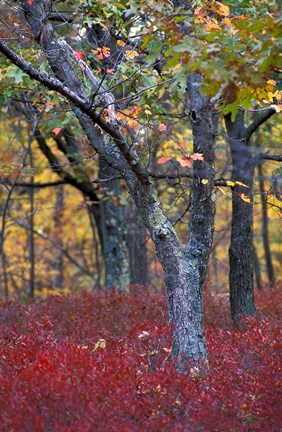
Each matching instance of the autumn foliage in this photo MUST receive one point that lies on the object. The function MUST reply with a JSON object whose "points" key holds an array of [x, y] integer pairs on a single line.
{"points": [[102, 362]]}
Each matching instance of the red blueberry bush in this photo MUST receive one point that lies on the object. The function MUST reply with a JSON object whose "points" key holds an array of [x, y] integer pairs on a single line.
{"points": [[102, 362]]}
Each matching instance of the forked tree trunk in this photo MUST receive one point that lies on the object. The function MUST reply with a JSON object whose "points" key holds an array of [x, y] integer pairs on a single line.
{"points": [[184, 269]]}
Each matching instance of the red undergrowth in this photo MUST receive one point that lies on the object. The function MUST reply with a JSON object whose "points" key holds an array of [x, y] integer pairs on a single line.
{"points": [[101, 362]]}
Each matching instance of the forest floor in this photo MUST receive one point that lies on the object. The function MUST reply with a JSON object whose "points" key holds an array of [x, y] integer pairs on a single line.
{"points": [[102, 362]]}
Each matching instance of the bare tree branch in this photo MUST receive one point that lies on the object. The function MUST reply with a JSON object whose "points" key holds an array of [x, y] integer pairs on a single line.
{"points": [[258, 121], [273, 157]]}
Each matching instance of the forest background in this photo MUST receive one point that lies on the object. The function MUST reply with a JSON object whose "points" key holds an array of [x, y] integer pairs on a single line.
{"points": [[140, 184]]}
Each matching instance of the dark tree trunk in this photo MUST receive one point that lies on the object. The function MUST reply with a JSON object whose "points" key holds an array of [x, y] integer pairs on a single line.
{"points": [[137, 246], [58, 279], [241, 260], [257, 269], [113, 230], [31, 251], [265, 236]]}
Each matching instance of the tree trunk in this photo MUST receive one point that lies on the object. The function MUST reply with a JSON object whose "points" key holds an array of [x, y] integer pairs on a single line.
{"points": [[137, 246], [113, 231], [257, 269], [30, 234], [58, 279], [241, 260], [265, 237]]}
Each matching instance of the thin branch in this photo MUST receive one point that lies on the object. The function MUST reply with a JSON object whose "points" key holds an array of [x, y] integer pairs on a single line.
{"points": [[219, 182], [85, 106], [258, 121]]}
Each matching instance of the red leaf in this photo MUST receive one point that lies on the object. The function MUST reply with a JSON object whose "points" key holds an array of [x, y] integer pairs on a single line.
{"points": [[56, 131], [197, 156], [162, 127], [185, 162], [79, 55], [163, 159]]}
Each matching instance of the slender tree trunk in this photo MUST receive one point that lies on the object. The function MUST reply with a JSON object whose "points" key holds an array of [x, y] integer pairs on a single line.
{"points": [[137, 246], [113, 231], [59, 256], [31, 251], [257, 269], [265, 236], [241, 259]]}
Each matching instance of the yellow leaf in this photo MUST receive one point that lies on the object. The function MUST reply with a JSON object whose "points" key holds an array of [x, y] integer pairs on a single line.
{"points": [[131, 54], [245, 198], [121, 43], [271, 82], [241, 184], [227, 22], [222, 9], [204, 181], [230, 183]]}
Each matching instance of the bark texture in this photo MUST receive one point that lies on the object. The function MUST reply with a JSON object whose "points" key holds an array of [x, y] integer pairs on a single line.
{"points": [[241, 258], [113, 231]]}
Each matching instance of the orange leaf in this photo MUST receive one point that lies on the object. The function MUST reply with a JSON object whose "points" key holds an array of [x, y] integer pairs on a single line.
{"points": [[57, 130], [121, 43], [162, 127], [163, 159], [134, 112], [79, 55], [197, 156], [102, 53]]}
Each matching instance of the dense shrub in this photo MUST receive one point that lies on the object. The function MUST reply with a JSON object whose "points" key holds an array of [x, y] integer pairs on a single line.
{"points": [[102, 362]]}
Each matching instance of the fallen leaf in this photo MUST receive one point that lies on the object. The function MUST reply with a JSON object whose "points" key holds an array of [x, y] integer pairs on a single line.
{"points": [[205, 181], [230, 183]]}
